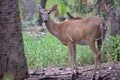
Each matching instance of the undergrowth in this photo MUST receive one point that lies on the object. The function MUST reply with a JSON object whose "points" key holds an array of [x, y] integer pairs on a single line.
{"points": [[48, 51], [111, 49]]}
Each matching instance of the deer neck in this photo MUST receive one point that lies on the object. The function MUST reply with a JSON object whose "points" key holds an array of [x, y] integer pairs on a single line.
{"points": [[52, 27]]}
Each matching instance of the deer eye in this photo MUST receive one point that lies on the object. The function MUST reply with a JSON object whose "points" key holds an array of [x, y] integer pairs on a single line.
{"points": [[49, 12]]}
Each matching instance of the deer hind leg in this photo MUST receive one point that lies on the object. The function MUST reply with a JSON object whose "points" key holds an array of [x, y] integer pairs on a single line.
{"points": [[97, 57], [72, 51], [99, 44]]}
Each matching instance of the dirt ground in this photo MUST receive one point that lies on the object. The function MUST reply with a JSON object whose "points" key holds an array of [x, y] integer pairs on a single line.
{"points": [[109, 72]]}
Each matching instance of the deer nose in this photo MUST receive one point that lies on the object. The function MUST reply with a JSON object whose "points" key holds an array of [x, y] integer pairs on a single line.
{"points": [[45, 21]]}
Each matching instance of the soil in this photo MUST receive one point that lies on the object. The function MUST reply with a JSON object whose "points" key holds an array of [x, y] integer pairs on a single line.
{"points": [[109, 72]]}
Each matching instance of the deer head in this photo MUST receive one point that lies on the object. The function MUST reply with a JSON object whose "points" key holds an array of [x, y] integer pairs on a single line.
{"points": [[45, 13]]}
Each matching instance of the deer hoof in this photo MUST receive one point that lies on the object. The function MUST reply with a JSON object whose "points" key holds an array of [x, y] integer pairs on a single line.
{"points": [[100, 78], [93, 78], [74, 75]]}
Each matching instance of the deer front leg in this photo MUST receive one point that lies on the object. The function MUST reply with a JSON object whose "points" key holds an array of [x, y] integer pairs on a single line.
{"points": [[75, 63], [72, 51]]}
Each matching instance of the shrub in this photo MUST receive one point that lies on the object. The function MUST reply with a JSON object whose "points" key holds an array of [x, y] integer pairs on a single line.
{"points": [[47, 50], [111, 48]]}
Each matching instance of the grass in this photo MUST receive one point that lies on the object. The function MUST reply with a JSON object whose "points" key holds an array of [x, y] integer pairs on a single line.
{"points": [[48, 50]]}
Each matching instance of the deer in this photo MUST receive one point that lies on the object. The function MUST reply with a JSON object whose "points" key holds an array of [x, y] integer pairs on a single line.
{"points": [[85, 31]]}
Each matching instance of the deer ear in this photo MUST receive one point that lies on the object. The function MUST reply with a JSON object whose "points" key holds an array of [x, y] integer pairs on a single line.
{"points": [[40, 7], [54, 8]]}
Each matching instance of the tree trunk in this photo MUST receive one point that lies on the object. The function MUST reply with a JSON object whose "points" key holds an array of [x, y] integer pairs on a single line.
{"points": [[28, 9], [114, 20], [12, 59], [42, 3], [111, 14]]}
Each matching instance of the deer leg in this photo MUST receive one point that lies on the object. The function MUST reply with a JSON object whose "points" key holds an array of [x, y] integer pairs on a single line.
{"points": [[99, 44], [97, 57], [72, 51], [99, 63], [75, 64]]}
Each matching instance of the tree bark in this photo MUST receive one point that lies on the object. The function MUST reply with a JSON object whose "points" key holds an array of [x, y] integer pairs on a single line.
{"points": [[12, 59], [28, 9], [111, 14]]}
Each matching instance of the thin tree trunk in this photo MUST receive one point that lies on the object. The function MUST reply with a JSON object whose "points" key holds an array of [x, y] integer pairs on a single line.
{"points": [[112, 14], [28, 9], [12, 59]]}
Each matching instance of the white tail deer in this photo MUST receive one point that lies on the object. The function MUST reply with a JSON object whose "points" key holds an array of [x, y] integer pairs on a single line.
{"points": [[85, 31]]}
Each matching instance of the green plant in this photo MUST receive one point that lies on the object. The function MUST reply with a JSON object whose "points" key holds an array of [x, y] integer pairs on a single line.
{"points": [[7, 77], [20, 8], [111, 48], [43, 51], [47, 50], [61, 7]]}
